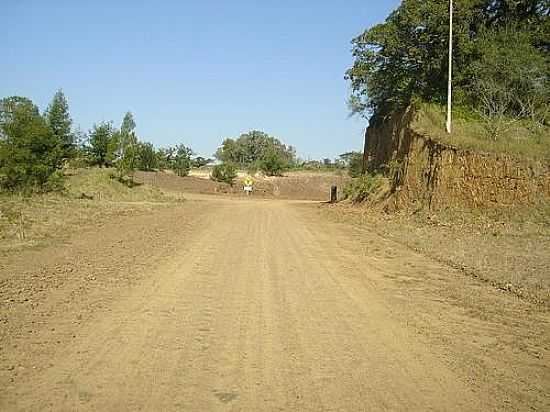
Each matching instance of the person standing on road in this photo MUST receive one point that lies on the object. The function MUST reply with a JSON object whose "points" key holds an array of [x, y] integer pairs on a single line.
{"points": [[248, 185]]}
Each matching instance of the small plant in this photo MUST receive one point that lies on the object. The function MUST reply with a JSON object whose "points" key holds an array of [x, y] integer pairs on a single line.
{"points": [[362, 188], [225, 172]]}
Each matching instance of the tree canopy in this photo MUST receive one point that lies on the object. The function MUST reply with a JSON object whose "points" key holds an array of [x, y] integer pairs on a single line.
{"points": [[60, 122], [256, 148], [406, 56], [127, 142], [30, 153], [35, 146], [102, 144]]}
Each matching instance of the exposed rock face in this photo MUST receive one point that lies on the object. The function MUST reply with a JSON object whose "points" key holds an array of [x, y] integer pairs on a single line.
{"points": [[429, 174]]}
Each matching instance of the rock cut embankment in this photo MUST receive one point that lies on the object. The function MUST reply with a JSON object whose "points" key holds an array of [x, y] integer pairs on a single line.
{"points": [[426, 173]]}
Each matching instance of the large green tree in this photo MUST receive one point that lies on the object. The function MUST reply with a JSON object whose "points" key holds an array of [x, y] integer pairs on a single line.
{"points": [[8, 106], [182, 160], [59, 121], [253, 147], [102, 144], [30, 154], [127, 152], [147, 158], [406, 56]]}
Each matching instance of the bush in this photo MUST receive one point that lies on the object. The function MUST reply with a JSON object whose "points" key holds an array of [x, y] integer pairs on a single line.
{"points": [[364, 187], [225, 172]]}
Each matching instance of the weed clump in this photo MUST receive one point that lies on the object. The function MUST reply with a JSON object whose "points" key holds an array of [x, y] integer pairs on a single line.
{"points": [[365, 187]]}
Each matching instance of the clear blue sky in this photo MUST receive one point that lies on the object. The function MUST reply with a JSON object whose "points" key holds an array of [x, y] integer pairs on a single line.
{"points": [[193, 72]]}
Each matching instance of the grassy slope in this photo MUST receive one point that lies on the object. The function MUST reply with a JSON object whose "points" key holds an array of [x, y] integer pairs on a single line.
{"points": [[39, 219], [470, 134]]}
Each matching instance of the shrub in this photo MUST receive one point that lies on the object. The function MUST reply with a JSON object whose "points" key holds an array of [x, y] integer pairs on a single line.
{"points": [[364, 187], [225, 172]]}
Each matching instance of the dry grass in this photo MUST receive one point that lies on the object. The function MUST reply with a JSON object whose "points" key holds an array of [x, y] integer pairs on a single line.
{"points": [[506, 248], [470, 134], [91, 198], [98, 184]]}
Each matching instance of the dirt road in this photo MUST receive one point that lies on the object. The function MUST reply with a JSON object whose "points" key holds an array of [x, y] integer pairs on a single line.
{"points": [[259, 305]]}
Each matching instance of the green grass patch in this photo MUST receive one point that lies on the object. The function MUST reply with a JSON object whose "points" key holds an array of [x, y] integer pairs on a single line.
{"points": [[470, 132]]}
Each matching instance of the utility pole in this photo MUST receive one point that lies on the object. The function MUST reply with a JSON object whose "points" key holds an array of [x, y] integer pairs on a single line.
{"points": [[449, 87]]}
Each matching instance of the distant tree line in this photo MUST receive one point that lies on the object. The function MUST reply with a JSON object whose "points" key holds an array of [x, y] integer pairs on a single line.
{"points": [[500, 59], [352, 162], [35, 147]]}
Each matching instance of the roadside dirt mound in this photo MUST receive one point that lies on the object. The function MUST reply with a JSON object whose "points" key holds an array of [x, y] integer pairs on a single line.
{"points": [[174, 183], [292, 186]]}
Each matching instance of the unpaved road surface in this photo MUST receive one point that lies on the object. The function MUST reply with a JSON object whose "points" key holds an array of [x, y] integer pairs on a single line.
{"points": [[229, 304]]}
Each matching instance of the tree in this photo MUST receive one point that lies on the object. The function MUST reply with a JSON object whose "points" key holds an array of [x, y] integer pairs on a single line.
{"points": [[30, 154], [127, 151], [230, 151], [250, 148], [147, 157], [353, 161], [405, 57], [59, 121], [509, 79], [166, 157], [200, 161], [102, 144], [182, 161], [8, 106], [401, 57]]}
